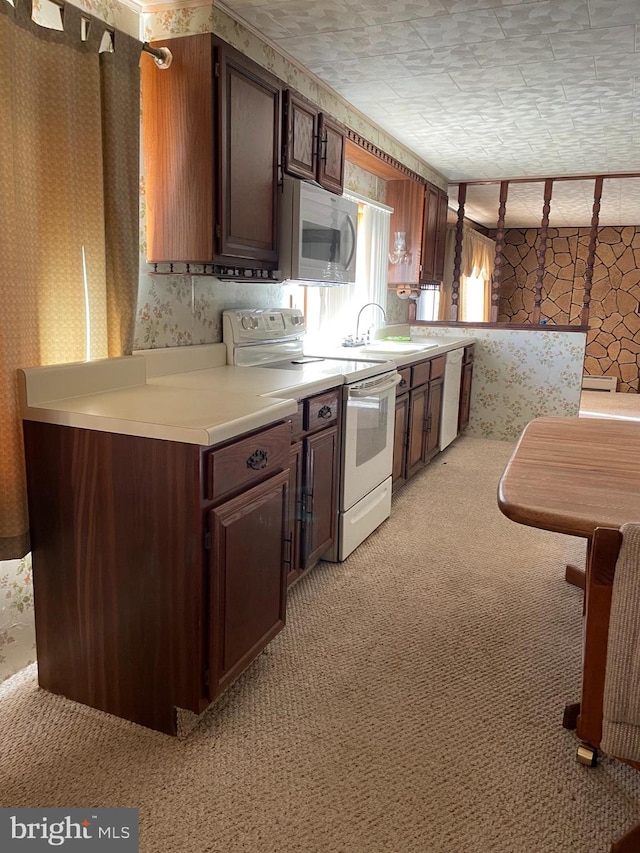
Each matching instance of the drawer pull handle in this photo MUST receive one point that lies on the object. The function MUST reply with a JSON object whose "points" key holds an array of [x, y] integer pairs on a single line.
{"points": [[258, 460], [325, 412], [403, 383]]}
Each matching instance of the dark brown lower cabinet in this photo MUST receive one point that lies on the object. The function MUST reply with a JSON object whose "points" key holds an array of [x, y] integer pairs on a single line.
{"points": [[247, 577], [418, 400], [418, 417], [313, 465], [431, 436], [296, 467], [319, 507], [159, 567], [400, 440]]}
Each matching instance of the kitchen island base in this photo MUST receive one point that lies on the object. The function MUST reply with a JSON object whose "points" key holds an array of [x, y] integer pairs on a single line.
{"points": [[144, 599]]}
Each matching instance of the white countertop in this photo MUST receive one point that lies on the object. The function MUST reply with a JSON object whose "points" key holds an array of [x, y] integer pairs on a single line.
{"points": [[185, 394], [260, 381], [201, 404], [441, 345]]}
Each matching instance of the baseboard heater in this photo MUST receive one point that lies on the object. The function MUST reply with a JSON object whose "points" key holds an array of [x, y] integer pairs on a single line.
{"points": [[600, 383]]}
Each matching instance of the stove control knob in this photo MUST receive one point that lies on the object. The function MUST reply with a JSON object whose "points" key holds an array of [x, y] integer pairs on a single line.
{"points": [[247, 322]]}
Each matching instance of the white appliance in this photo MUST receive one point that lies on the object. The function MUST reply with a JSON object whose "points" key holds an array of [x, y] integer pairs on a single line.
{"points": [[451, 397], [317, 235], [273, 338]]}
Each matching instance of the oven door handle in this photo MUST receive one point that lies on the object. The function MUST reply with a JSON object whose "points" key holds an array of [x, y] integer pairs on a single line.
{"points": [[375, 390]]}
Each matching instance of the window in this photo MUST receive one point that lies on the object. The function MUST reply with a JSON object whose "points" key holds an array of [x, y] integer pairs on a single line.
{"points": [[476, 272]]}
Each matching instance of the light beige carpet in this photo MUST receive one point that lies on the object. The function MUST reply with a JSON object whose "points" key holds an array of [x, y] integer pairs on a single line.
{"points": [[413, 704]]}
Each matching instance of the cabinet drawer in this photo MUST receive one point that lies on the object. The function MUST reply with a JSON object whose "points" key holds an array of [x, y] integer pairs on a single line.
{"points": [[468, 353], [297, 423], [437, 366], [248, 461], [405, 381], [420, 373], [321, 411]]}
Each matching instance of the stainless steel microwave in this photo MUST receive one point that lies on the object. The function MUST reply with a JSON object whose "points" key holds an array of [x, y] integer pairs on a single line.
{"points": [[317, 235]]}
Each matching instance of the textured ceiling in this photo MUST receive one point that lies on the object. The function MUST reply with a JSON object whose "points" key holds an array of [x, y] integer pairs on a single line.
{"points": [[482, 89]]}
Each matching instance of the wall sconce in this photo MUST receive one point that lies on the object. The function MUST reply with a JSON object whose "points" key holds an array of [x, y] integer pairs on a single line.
{"points": [[400, 255]]}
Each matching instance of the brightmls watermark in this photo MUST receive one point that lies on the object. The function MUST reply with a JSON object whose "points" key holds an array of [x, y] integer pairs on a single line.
{"points": [[80, 830]]}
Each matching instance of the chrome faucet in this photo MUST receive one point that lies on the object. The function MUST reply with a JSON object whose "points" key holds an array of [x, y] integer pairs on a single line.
{"points": [[358, 341]]}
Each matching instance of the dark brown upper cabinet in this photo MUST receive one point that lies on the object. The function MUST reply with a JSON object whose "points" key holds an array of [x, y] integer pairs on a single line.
{"points": [[211, 126], [420, 211], [313, 144], [434, 234], [406, 197]]}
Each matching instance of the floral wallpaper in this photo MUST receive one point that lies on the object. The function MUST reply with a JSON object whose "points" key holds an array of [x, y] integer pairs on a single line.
{"points": [[366, 183], [17, 630], [178, 310], [518, 376]]}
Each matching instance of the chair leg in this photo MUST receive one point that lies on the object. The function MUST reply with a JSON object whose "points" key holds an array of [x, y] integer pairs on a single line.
{"points": [[629, 843], [587, 755]]}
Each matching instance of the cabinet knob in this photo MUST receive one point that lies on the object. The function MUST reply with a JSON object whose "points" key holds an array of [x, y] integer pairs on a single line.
{"points": [[258, 460], [325, 412], [403, 383]]}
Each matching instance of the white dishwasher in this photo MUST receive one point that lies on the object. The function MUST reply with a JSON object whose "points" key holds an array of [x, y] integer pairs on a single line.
{"points": [[451, 397]]}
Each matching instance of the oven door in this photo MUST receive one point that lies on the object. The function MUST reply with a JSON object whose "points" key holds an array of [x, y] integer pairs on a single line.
{"points": [[369, 420]]}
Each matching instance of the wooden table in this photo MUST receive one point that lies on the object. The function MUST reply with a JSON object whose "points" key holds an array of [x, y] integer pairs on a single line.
{"points": [[572, 475]]}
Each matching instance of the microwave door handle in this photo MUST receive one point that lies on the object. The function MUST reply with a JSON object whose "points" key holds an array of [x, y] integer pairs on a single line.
{"points": [[378, 389], [353, 242]]}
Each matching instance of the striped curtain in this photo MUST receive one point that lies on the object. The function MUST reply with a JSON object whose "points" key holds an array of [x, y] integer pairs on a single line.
{"points": [[69, 152]]}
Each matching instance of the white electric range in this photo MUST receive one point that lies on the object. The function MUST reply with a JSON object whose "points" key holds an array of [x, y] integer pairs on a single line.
{"points": [[274, 338]]}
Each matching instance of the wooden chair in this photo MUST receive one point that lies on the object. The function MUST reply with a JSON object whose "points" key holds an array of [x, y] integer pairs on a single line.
{"points": [[601, 568]]}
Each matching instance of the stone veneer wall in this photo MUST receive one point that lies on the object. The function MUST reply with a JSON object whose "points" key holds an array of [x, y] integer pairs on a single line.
{"points": [[613, 341]]}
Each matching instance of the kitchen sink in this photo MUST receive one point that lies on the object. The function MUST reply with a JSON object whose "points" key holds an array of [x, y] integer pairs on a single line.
{"points": [[398, 347]]}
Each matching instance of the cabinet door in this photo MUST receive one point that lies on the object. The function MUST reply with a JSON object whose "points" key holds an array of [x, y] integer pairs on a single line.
{"points": [[417, 415], [330, 174], [407, 200], [300, 137], [247, 577], [465, 396], [248, 138], [319, 503], [432, 420], [400, 440], [179, 175], [295, 509], [429, 233]]}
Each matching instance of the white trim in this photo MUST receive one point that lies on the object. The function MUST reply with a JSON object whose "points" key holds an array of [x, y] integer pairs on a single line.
{"points": [[165, 6], [354, 196]]}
